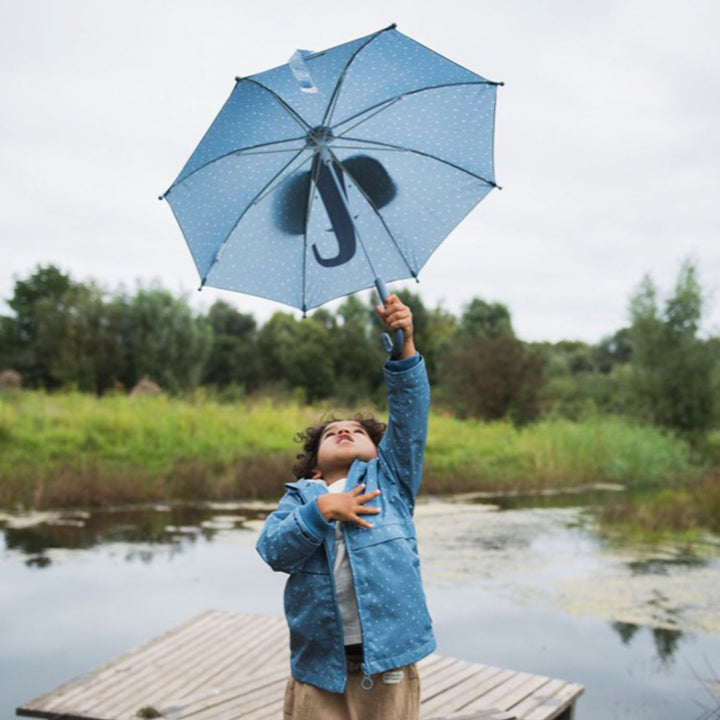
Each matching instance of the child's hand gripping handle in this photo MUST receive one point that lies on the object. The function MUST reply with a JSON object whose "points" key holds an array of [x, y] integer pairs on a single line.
{"points": [[393, 346]]}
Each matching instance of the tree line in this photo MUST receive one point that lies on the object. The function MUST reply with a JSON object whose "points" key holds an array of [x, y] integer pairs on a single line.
{"points": [[62, 333]]}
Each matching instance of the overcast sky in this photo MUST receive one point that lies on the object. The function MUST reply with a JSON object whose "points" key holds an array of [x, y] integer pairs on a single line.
{"points": [[607, 141]]}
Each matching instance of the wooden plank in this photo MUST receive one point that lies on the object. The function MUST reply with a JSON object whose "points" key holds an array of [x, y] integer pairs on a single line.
{"points": [[564, 698], [195, 705], [49, 699], [428, 659], [206, 681], [171, 677], [247, 705], [510, 693], [441, 666], [451, 699], [135, 659], [131, 663], [527, 689], [434, 664], [135, 688], [271, 712], [65, 696], [545, 697], [489, 714], [448, 678], [234, 645], [457, 697], [278, 642], [433, 660], [244, 661]]}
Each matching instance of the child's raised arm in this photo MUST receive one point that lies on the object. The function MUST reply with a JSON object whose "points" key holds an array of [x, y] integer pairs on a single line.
{"points": [[402, 448]]}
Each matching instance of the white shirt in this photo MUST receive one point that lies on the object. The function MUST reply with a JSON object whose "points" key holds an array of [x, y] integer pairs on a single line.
{"points": [[344, 588]]}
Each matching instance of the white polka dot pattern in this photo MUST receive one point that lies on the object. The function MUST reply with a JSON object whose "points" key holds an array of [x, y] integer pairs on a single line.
{"points": [[411, 135]]}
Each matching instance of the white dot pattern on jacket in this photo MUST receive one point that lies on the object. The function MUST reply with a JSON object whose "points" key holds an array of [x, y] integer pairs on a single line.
{"points": [[395, 623]]}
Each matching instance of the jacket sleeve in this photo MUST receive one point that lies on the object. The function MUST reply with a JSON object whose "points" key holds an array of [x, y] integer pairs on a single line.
{"points": [[292, 533], [402, 448]]}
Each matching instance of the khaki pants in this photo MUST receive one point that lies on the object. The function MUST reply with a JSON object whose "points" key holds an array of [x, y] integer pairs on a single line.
{"points": [[394, 696]]}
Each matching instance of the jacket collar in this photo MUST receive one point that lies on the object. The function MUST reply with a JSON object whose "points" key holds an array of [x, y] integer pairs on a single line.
{"points": [[311, 489]]}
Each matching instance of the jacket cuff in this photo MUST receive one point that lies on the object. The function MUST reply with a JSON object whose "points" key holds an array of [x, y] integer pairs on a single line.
{"points": [[398, 366], [312, 521]]}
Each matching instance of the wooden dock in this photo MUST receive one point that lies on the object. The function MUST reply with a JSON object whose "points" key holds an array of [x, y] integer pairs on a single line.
{"points": [[223, 666]]}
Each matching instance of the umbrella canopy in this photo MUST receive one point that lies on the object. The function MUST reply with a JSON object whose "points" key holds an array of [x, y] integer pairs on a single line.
{"points": [[344, 166]]}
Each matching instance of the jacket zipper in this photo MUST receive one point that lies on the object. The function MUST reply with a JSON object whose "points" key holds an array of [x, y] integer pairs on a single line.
{"points": [[367, 681], [330, 556]]}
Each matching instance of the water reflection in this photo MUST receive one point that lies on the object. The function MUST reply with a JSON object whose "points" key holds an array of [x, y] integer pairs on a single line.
{"points": [[626, 631], [485, 544], [666, 640], [584, 496], [664, 565], [174, 527]]}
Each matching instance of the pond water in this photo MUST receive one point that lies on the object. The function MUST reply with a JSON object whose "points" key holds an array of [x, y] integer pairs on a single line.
{"points": [[524, 584]]}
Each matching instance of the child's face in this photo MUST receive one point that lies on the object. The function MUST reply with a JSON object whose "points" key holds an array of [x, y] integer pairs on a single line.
{"points": [[340, 443]]}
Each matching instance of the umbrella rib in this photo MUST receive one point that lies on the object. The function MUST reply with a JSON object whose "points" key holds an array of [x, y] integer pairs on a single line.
{"points": [[266, 152], [381, 108], [337, 146], [287, 108], [224, 243], [268, 190], [369, 201], [239, 151], [330, 109], [385, 104], [391, 147]]}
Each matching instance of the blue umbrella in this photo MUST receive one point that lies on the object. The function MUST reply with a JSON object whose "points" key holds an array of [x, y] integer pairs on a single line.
{"points": [[337, 171]]}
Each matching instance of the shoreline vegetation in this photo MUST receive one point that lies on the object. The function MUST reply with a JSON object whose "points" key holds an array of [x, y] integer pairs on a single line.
{"points": [[75, 450], [639, 409]]}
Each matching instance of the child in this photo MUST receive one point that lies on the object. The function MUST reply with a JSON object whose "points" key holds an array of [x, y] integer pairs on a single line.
{"points": [[344, 533]]}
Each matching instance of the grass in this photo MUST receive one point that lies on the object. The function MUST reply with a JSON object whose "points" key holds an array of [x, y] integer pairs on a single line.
{"points": [[553, 453], [685, 513], [73, 449]]}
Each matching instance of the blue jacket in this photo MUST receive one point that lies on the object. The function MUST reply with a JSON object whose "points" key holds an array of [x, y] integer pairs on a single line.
{"points": [[296, 539]]}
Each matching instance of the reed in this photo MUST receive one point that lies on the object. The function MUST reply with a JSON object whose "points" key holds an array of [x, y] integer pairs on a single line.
{"points": [[687, 513], [554, 453], [73, 449]]}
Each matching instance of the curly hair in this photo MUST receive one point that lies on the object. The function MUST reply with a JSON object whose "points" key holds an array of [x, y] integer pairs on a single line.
{"points": [[306, 461]]}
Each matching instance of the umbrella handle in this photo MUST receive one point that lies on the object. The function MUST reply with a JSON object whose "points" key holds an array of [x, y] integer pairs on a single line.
{"points": [[392, 345]]}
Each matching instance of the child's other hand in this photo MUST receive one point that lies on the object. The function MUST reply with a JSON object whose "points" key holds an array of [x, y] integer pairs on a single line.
{"points": [[396, 314], [348, 506]]}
